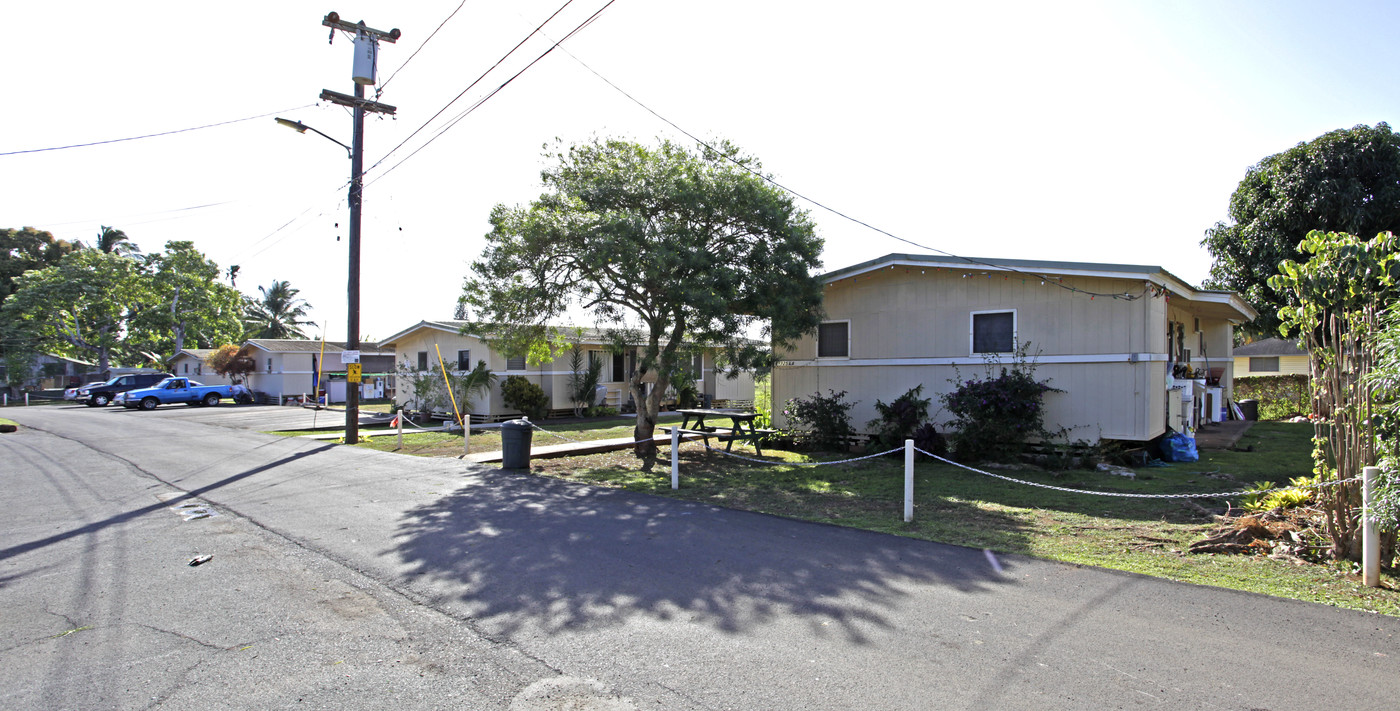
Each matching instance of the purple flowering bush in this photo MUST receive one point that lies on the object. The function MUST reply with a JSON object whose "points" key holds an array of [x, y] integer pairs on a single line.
{"points": [[994, 416]]}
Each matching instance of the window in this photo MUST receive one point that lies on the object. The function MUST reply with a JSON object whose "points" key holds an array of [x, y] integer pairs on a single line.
{"points": [[464, 360], [517, 363], [269, 365], [187, 369], [697, 366], [422, 361], [1263, 365], [199, 369], [619, 369], [834, 339], [994, 332]]}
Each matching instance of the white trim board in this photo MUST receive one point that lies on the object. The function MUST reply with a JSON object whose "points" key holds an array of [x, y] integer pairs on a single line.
{"points": [[1041, 360]]}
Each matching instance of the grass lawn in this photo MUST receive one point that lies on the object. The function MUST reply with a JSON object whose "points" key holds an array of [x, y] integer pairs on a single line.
{"points": [[964, 508], [444, 444]]}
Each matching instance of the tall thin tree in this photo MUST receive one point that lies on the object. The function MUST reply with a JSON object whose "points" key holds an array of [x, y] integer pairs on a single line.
{"points": [[278, 313]]}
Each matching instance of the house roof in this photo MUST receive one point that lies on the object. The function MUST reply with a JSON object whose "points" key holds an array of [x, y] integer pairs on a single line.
{"points": [[303, 345], [590, 336], [200, 353], [74, 361], [1270, 347], [1219, 304]]}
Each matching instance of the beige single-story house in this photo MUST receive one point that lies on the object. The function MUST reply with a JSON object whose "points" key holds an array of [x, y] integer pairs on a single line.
{"points": [[1133, 348], [288, 368], [418, 347], [1271, 356], [189, 363]]}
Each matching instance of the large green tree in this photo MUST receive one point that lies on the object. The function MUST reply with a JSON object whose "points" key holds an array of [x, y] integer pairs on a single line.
{"points": [[679, 245], [278, 313], [188, 305], [1347, 180], [25, 249], [81, 306]]}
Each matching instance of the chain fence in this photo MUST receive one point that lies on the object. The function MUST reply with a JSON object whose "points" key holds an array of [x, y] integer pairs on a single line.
{"points": [[1052, 487]]}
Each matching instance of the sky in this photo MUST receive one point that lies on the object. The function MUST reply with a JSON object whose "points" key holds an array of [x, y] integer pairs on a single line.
{"points": [[1081, 131]]}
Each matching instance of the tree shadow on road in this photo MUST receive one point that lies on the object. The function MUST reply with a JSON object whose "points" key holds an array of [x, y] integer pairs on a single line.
{"points": [[556, 555]]}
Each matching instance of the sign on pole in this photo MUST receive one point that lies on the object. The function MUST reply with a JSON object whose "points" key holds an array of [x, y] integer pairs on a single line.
{"points": [[347, 357], [352, 372]]}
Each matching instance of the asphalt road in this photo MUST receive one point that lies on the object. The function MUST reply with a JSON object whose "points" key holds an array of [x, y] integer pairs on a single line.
{"points": [[352, 579]]}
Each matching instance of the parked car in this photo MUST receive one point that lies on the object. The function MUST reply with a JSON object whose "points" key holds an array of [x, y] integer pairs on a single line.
{"points": [[72, 393], [174, 390], [100, 395]]}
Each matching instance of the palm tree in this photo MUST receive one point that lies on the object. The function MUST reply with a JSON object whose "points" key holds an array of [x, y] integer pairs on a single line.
{"points": [[114, 241], [278, 314]]}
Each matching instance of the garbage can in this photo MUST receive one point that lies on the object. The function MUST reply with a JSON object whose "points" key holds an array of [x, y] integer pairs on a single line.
{"points": [[1250, 408], [515, 444]]}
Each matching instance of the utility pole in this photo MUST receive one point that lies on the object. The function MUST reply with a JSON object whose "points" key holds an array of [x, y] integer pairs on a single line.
{"points": [[366, 58]]}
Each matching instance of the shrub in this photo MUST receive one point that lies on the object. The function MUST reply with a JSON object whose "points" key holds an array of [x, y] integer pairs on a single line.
{"points": [[819, 421], [525, 396], [995, 416], [1280, 396], [1302, 493], [763, 403], [899, 419]]}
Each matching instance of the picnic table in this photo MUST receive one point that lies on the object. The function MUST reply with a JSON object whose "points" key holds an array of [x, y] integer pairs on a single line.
{"points": [[741, 427]]}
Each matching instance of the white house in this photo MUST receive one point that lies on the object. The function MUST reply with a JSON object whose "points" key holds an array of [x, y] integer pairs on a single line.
{"points": [[418, 347], [1134, 348]]}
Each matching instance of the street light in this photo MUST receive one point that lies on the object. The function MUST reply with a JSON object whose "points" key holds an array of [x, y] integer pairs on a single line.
{"points": [[352, 338], [366, 52], [300, 127]]}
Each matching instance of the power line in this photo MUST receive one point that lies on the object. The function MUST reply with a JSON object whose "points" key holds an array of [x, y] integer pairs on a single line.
{"points": [[155, 135], [380, 90], [459, 96], [486, 98], [1044, 278]]}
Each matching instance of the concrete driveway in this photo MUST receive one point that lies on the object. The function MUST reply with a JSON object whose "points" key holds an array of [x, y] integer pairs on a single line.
{"points": [[532, 593]]}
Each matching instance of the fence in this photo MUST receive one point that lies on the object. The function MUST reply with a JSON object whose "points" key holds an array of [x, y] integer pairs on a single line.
{"points": [[1370, 532]]}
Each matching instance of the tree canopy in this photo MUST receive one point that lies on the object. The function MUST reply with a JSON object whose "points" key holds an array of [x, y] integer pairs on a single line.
{"points": [[679, 245], [82, 305], [188, 306], [26, 249], [1346, 180], [277, 314]]}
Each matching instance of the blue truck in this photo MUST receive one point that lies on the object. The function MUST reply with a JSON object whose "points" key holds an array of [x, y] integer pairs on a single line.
{"points": [[173, 390]]}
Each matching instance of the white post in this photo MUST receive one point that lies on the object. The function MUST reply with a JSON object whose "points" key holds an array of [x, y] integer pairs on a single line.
{"points": [[466, 433], [908, 480], [26, 399], [7, 399], [1370, 536], [675, 457], [398, 420]]}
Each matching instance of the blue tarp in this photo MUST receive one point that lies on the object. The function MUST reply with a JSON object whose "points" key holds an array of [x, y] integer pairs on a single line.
{"points": [[1177, 447]]}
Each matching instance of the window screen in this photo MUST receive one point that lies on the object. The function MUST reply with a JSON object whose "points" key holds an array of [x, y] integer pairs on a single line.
{"points": [[619, 369], [833, 340], [422, 360], [994, 333], [1263, 365], [515, 363], [464, 360]]}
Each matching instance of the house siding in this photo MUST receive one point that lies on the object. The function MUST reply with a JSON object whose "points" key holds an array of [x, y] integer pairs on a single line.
{"points": [[911, 326], [552, 376], [1287, 365]]}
